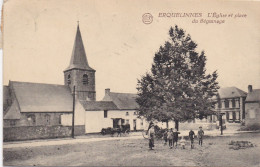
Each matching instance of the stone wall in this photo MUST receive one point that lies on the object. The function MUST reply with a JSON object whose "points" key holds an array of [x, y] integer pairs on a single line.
{"points": [[40, 132]]}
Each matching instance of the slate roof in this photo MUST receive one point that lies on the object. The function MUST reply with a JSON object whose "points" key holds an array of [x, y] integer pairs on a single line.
{"points": [[98, 105], [253, 96], [231, 92], [78, 58], [38, 97], [123, 101]]}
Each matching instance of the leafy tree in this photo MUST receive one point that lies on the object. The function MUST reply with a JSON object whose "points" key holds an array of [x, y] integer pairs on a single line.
{"points": [[177, 87]]}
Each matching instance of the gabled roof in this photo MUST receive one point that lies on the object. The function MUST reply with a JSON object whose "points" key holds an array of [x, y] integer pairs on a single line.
{"points": [[78, 58], [253, 96], [123, 101], [98, 105], [38, 97], [13, 111], [231, 92]]}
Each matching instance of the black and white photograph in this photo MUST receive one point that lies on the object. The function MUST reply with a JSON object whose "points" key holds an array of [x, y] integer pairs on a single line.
{"points": [[130, 83]]}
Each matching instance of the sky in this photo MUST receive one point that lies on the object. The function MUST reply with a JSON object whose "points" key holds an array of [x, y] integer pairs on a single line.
{"points": [[39, 34]]}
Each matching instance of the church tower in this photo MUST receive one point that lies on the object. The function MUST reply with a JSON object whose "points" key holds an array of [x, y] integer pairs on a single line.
{"points": [[79, 73]]}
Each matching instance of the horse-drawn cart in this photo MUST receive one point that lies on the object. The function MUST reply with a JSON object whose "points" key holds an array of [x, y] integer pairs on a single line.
{"points": [[120, 129]]}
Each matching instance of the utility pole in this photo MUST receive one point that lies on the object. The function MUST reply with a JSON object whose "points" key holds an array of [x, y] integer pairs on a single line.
{"points": [[73, 112], [221, 123]]}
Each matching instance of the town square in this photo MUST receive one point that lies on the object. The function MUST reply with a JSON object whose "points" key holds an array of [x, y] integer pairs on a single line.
{"points": [[93, 83]]}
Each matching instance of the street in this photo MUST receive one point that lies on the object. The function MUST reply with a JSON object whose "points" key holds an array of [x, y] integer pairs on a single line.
{"points": [[134, 152]]}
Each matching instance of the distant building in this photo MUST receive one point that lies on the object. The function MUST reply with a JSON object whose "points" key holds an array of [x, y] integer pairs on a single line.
{"points": [[252, 107], [231, 103]]}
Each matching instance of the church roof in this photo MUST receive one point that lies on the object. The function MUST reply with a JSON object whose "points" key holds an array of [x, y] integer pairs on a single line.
{"points": [[123, 101], [98, 105], [253, 96], [13, 111], [231, 92], [38, 97], [78, 58]]}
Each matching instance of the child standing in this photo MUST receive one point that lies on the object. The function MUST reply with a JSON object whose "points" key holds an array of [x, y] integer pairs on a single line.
{"points": [[165, 134], [191, 136], [170, 138], [182, 142], [200, 135]]}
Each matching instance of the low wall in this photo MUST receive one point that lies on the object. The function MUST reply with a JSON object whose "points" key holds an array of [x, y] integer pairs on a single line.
{"points": [[39, 132]]}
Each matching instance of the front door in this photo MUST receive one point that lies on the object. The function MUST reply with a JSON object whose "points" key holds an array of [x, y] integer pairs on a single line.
{"points": [[115, 123], [234, 116], [134, 124]]}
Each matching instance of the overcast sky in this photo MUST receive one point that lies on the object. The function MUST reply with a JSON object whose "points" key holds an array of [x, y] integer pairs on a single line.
{"points": [[39, 36]]}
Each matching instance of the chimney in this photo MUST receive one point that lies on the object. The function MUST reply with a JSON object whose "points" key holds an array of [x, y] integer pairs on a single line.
{"points": [[107, 91], [250, 88]]}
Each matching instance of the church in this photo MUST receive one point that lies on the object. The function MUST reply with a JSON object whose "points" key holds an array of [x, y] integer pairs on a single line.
{"points": [[38, 110]]}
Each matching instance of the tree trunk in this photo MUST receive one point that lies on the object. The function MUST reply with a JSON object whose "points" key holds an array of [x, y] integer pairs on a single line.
{"points": [[167, 124], [176, 125]]}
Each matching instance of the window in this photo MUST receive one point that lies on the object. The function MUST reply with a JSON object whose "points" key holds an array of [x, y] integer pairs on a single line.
{"points": [[219, 104], [12, 123], [47, 119], [142, 122], [31, 120], [127, 113], [127, 121], [85, 79], [68, 80], [226, 104], [60, 119], [135, 113], [233, 103], [105, 113]]}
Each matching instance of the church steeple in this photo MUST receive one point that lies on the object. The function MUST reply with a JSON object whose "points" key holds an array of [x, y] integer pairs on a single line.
{"points": [[78, 58], [79, 73]]}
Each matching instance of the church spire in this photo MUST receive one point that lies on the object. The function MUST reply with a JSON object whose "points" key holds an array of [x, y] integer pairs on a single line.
{"points": [[78, 58]]}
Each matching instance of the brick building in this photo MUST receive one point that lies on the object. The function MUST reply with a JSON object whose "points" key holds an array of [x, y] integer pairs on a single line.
{"points": [[231, 103]]}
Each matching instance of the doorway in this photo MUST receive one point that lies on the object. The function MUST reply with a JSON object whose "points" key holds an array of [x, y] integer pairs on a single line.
{"points": [[134, 124]]}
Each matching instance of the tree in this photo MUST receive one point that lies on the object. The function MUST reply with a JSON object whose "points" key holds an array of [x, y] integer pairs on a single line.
{"points": [[177, 87]]}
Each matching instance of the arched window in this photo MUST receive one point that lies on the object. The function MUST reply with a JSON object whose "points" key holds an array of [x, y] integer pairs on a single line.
{"points": [[85, 79], [31, 119], [127, 113], [68, 79]]}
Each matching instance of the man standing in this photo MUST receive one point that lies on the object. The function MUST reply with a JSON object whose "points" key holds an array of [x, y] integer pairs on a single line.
{"points": [[175, 137], [191, 136], [200, 135], [151, 136]]}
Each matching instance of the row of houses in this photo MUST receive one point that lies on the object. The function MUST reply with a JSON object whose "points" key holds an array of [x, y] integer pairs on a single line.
{"points": [[45, 110]]}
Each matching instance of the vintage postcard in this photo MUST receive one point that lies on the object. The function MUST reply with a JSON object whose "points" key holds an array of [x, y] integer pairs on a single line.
{"points": [[131, 83]]}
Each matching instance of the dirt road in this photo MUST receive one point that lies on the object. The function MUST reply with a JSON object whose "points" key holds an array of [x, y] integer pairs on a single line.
{"points": [[135, 152]]}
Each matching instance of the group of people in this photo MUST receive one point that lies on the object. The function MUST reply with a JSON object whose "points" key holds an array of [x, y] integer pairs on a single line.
{"points": [[171, 136]]}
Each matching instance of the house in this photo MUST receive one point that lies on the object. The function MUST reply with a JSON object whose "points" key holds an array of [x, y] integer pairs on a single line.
{"points": [[114, 110], [252, 107], [231, 103]]}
